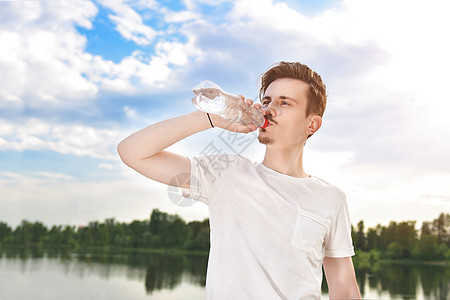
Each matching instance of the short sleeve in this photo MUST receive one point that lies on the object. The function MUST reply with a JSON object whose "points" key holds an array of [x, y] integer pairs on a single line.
{"points": [[339, 243], [208, 175]]}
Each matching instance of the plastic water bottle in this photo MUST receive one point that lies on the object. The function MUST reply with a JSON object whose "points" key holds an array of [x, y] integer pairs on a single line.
{"points": [[210, 98]]}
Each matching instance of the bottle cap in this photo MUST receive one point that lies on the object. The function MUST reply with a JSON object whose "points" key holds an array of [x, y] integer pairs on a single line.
{"points": [[265, 123]]}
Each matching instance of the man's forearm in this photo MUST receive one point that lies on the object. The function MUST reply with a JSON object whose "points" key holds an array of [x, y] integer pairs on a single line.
{"points": [[345, 290], [341, 278], [157, 137]]}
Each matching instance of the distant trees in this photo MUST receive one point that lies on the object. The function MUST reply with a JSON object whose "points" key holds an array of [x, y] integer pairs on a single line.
{"points": [[401, 239], [162, 230], [198, 235], [5, 231]]}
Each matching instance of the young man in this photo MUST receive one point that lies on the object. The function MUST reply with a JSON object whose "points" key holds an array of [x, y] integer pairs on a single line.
{"points": [[273, 225]]}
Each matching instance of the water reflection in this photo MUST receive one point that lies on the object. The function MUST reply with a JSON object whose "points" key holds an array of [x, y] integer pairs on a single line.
{"points": [[156, 271], [162, 272], [401, 281]]}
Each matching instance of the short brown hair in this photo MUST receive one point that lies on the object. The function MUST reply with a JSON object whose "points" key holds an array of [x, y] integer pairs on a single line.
{"points": [[316, 98]]}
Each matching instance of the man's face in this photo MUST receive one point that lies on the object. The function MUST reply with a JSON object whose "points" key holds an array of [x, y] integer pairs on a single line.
{"points": [[285, 102]]}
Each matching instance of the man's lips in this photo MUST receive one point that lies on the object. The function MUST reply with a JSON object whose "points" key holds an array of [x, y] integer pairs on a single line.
{"points": [[269, 124]]}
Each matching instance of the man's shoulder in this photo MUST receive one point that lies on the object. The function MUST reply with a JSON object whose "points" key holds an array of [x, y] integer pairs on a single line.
{"points": [[330, 187], [214, 156], [219, 159], [228, 156]]}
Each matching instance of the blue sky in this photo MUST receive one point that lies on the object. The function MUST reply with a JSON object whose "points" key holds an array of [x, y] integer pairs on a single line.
{"points": [[79, 76]]}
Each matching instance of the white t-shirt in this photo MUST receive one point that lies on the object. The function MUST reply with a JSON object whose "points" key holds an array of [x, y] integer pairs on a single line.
{"points": [[269, 231]]}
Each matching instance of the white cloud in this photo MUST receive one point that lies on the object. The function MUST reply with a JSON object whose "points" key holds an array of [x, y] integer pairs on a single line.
{"points": [[143, 4], [43, 63], [51, 15], [135, 74], [129, 23], [180, 16], [381, 194], [41, 53], [193, 5], [129, 112], [11, 175], [174, 53], [106, 166], [58, 201], [56, 176], [268, 13], [76, 139]]}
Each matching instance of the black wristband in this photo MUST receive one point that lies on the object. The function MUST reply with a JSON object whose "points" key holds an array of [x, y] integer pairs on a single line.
{"points": [[210, 120]]}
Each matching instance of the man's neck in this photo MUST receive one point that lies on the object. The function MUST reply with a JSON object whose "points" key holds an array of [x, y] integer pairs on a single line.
{"points": [[288, 161]]}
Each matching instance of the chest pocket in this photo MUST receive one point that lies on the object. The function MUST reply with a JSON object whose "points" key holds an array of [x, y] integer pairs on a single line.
{"points": [[309, 233]]}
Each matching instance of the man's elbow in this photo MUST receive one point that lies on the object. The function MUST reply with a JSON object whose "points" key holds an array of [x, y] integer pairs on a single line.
{"points": [[122, 150]]}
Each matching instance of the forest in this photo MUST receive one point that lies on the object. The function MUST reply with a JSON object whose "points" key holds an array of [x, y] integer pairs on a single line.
{"points": [[398, 240]]}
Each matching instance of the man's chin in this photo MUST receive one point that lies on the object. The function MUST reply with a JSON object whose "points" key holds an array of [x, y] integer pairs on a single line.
{"points": [[265, 140]]}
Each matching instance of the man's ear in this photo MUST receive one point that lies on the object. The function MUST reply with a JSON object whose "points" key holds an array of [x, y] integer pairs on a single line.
{"points": [[314, 124]]}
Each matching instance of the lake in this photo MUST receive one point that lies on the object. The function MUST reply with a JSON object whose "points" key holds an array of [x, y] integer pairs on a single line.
{"points": [[54, 275]]}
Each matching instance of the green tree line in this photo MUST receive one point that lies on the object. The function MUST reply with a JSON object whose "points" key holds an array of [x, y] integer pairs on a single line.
{"points": [[161, 231], [398, 240]]}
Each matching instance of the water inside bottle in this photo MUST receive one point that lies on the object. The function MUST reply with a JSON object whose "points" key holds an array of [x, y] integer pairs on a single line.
{"points": [[207, 103], [208, 97]]}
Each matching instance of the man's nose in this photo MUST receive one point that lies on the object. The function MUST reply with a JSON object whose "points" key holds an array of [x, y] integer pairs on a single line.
{"points": [[271, 109], [263, 108]]}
